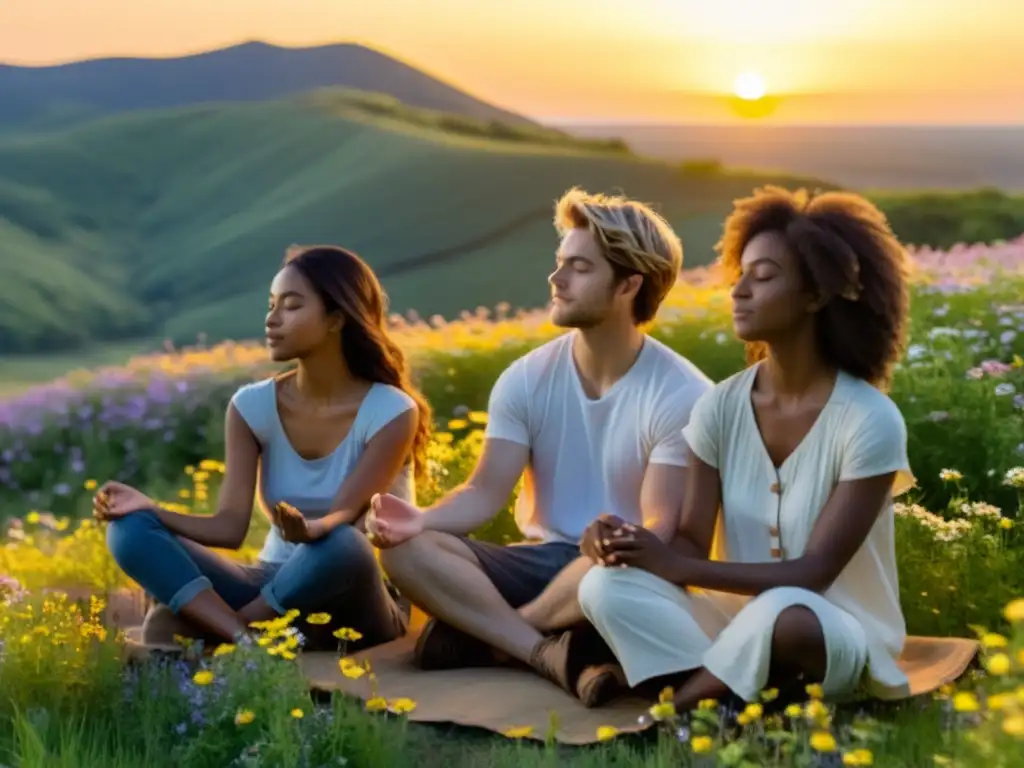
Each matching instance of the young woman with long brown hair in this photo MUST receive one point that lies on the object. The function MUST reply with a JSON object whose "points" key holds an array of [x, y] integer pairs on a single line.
{"points": [[314, 444]]}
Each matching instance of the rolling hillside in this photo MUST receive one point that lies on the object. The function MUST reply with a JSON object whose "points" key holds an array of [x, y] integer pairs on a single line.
{"points": [[44, 97], [172, 223]]}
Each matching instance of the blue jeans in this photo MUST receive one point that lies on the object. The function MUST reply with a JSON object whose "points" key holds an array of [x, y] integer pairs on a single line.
{"points": [[337, 574]]}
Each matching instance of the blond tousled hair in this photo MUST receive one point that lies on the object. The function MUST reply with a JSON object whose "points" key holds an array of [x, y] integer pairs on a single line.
{"points": [[632, 237]]}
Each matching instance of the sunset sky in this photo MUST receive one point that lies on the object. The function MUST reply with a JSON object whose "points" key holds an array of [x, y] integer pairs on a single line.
{"points": [[889, 61]]}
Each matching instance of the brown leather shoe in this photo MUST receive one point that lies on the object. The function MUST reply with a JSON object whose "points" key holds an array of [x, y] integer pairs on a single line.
{"points": [[600, 683], [442, 646], [552, 659]]}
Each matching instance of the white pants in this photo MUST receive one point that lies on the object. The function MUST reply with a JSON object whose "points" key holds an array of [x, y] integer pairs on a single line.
{"points": [[656, 628]]}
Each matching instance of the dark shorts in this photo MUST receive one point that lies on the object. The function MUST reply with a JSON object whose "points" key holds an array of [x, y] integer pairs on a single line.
{"points": [[520, 572]]}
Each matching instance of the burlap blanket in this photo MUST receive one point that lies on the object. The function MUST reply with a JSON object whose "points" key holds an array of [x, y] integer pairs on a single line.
{"points": [[499, 699]]}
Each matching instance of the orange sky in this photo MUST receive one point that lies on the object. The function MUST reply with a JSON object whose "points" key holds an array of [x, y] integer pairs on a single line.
{"points": [[947, 61]]}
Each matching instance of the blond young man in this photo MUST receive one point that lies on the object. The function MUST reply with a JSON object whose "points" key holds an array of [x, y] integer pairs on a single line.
{"points": [[595, 419]]}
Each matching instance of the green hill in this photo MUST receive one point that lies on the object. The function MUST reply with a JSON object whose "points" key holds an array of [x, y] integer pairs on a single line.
{"points": [[171, 223]]}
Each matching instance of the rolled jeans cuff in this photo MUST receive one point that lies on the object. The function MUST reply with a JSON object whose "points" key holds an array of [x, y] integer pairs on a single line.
{"points": [[188, 592], [267, 592]]}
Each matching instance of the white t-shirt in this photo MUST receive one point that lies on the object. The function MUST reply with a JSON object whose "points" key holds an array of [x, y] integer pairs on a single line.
{"points": [[588, 457]]}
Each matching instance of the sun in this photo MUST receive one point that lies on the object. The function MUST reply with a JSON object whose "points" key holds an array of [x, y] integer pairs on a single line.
{"points": [[749, 86]]}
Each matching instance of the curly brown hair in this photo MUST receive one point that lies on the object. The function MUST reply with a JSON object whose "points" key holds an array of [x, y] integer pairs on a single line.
{"points": [[849, 255]]}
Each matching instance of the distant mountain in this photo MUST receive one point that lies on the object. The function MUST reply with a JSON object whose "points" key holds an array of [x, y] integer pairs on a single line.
{"points": [[53, 96]]}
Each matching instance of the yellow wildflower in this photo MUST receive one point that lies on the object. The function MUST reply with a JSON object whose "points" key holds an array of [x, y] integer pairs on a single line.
{"points": [[607, 732], [859, 757], [998, 665], [701, 744], [1006, 523], [344, 633], [965, 701], [771, 694], [456, 424], [298, 714], [663, 710], [32, 518], [478, 417], [794, 710], [518, 732], [402, 706], [319, 618], [817, 711], [823, 741], [224, 649], [203, 677], [950, 475], [1014, 610], [1000, 701], [376, 704], [815, 691], [244, 717], [1014, 726], [707, 704], [350, 668], [90, 485], [993, 640]]}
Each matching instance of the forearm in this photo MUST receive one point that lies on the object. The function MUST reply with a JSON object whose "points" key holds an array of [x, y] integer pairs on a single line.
{"points": [[685, 547], [462, 511], [558, 606], [338, 517], [218, 530], [748, 578]]}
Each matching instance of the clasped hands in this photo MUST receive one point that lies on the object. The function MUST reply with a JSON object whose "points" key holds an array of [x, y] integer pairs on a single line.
{"points": [[610, 541]]}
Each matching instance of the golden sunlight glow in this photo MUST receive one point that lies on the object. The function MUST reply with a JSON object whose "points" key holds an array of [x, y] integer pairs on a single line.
{"points": [[750, 86]]}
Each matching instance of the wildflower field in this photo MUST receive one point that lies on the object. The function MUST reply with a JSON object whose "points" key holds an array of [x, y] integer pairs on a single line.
{"points": [[67, 698]]}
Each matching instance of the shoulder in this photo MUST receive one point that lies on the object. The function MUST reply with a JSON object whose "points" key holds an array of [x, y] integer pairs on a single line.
{"points": [[256, 403], [384, 404], [728, 392], [526, 372], [391, 399], [257, 395], [544, 357], [868, 408], [674, 372]]}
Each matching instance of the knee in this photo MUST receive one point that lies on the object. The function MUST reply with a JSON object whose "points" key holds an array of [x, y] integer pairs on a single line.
{"points": [[126, 535], [603, 591], [346, 549], [798, 628], [411, 557], [787, 610]]}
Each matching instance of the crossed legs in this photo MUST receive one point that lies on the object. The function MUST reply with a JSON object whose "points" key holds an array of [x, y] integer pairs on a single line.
{"points": [[488, 601], [661, 634], [219, 597]]}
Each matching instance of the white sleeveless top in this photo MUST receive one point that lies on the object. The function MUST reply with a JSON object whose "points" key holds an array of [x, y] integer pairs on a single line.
{"points": [[311, 485]]}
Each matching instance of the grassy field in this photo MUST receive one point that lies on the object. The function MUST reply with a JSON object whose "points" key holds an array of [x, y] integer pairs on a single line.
{"points": [[66, 700]]}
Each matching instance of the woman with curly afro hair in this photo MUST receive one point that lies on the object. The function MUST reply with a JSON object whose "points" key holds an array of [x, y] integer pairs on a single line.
{"points": [[783, 571]]}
